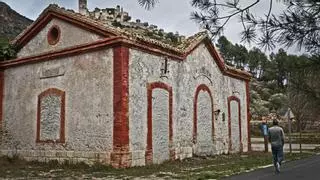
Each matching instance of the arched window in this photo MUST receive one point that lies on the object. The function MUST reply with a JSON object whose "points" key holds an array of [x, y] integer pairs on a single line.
{"points": [[51, 116], [202, 88], [234, 124], [153, 150]]}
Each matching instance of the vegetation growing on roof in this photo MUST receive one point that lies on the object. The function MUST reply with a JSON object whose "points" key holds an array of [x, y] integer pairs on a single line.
{"points": [[7, 51]]}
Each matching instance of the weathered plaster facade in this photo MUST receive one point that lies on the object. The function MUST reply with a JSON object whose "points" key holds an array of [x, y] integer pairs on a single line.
{"points": [[86, 80], [96, 94], [70, 36], [184, 78]]}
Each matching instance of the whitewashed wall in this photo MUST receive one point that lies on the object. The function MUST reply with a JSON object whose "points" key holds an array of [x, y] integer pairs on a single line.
{"points": [[87, 80], [184, 77], [238, 88], [70, 36]]}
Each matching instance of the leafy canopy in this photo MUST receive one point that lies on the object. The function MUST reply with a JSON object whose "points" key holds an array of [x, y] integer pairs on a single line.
{"points": [[296, 25]]}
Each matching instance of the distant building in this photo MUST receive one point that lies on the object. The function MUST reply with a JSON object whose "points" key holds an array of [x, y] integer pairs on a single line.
{"points": [[94, 86]]}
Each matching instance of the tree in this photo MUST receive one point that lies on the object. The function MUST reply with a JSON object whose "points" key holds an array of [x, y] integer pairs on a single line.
{"points": [[240, 56], [257, 62], [304, 90], [298, 24], [7, 51], [280, 61], [235, 55], [226, 49], [148, 4]]}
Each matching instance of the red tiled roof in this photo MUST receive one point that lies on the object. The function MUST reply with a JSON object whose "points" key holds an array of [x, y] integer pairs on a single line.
{"points": [[137, 34]]}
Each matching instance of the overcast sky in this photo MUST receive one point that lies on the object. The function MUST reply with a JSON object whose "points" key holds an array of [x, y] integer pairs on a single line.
{"points": [[170, 15]]}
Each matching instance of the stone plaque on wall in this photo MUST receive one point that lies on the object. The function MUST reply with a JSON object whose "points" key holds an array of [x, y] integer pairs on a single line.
{"points": [[50, 117], [52, 71]]}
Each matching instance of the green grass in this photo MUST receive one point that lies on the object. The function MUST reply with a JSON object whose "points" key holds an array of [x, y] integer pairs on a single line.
{"points": [[193, 168]]}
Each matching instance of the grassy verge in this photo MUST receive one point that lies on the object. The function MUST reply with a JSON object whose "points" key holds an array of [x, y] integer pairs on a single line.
{"points": [[194, 168]]}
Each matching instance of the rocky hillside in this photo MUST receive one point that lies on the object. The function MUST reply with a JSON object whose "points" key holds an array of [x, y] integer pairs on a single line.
{"points": [[11, 22]]}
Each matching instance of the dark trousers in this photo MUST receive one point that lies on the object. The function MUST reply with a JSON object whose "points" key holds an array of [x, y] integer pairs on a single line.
{"points": [[277, 154]]}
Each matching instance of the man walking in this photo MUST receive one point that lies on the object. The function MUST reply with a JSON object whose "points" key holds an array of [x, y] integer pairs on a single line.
{"points": [[264, 130], [276, 138]]}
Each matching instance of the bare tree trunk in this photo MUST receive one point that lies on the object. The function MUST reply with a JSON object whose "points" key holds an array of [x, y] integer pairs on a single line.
{"points": [[289, 131], [300, 140]]}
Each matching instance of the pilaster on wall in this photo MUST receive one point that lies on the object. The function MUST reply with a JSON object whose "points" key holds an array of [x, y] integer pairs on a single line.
{"points": [[121, 156], [1, 99], [248, 114]]}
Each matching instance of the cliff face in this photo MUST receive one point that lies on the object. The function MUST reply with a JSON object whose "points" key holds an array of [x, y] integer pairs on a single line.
{"points": [[11, 22]]}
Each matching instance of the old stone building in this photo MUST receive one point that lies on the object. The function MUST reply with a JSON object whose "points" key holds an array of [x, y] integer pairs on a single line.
{"points": [[96, 86]]}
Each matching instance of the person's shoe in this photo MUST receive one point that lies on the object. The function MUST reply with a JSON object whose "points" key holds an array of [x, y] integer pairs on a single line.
{"points": [[278, 167]]}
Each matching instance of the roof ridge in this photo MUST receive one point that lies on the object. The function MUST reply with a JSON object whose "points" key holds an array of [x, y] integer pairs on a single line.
{"points": [[182, 47]]}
